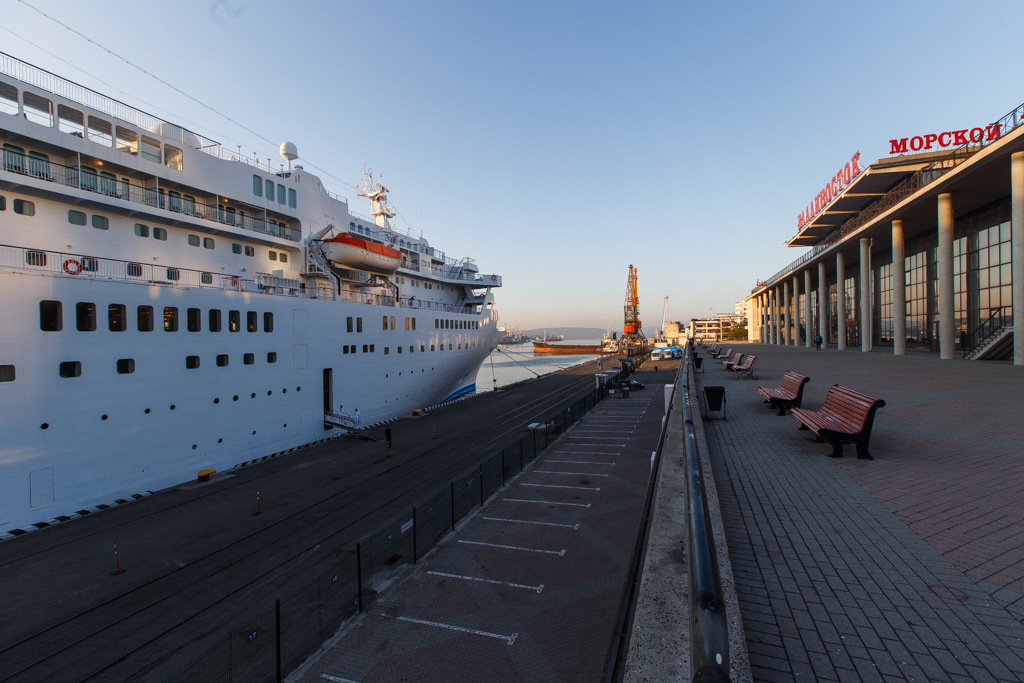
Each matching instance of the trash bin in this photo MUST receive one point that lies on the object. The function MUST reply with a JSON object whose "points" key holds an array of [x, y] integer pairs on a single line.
{"points": [[714, 400], [625, 391], [697, 360]]}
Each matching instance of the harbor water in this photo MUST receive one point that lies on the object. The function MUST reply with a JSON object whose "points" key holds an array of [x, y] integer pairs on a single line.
{"points": [[510, 363]]}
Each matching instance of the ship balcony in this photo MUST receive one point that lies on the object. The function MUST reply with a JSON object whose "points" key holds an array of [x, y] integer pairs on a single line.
{"points": [[167, 198]]}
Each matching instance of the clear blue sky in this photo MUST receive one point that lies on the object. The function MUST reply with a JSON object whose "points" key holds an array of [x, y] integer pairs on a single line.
{"points": [[557, 143]]}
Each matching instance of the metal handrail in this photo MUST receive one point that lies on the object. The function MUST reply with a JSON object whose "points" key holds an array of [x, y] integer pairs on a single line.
{"points": [[921, 178], [91, 181], [709, 630], [984, 330]]}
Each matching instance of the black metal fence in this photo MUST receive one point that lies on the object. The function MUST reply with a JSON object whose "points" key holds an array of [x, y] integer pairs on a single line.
{"points": [[265, 647]]}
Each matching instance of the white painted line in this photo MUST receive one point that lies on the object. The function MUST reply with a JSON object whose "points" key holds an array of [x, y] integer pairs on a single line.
{"points": [[500, 583], [582, 462], [337, 679], [511, 639], [546, 502], [582, 474], [591, 445], [559, 486], [560, 553], [530, 521]]}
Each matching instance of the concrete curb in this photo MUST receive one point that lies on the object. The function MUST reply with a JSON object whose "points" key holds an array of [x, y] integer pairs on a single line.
{"points": [[660, 639]]}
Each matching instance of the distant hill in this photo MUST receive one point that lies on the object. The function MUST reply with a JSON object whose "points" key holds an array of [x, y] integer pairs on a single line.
{"points": [[569, 332]]}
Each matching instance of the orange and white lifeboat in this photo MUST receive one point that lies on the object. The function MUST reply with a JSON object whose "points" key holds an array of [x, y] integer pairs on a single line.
{"points": [[349, 251]]}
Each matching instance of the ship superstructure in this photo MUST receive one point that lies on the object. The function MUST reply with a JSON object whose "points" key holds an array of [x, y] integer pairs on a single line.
{"points": [[168, 305]]}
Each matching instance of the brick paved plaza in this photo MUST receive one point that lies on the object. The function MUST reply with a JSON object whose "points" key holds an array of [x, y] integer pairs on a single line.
{"points": [[906, 567]]}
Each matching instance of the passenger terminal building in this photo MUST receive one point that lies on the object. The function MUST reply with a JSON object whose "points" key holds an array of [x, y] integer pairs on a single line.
{"points": [[923, 249]]}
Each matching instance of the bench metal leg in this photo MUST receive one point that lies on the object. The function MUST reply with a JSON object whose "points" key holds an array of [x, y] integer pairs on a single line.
{"points": [[837, 447], [862, 451], [803, 427]]}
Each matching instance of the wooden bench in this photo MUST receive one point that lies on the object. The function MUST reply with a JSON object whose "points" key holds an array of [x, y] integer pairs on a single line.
{"points": [[747, 368], [789, 395], [845, 418], [735, 360], [719, 354]]}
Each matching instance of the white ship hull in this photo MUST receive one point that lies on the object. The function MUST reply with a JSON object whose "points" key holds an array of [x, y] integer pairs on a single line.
{"points": [[100, 401]]}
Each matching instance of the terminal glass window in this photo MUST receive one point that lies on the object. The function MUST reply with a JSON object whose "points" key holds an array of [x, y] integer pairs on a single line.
{"points": [[989, 280], [881, 305], [917, 288]]}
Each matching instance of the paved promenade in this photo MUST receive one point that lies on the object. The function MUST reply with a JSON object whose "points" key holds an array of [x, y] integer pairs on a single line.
{"points": [[529, 588], [906, 567], [198, 561]]}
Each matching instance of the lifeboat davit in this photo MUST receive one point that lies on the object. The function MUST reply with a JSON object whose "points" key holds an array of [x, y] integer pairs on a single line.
{"points": [[349, 251]]}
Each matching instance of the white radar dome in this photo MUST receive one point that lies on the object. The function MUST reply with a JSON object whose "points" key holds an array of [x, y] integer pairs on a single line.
{"points": [[289, 151]]}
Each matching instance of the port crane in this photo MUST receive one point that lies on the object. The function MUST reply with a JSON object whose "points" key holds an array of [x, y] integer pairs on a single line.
{"points": [[633, 342]]}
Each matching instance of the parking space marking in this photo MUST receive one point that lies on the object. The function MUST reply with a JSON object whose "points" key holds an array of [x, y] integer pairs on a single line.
{"points": [[560, 553], [582, 474], [546, 502], [500, 583], [510, 639], [560, 486], [530, 521], [337, 679], [581, 462]]}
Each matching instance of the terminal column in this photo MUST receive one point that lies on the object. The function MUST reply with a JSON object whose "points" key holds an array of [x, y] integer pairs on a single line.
{"points": [[774, 316], [899, 292], [785, 313], [865, 294], [808, 316], [947, 342], [796, 313], [1017, 237], [822, 303], [841, 301]]}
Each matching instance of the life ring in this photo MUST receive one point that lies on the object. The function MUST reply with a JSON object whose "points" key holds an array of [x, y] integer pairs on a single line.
{"points": [[494, 278], [449, 309], [72, 267]]}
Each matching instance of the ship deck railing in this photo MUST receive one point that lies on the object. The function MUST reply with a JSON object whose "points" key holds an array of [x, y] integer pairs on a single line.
{"points": [[157, 198], [78, 265]]}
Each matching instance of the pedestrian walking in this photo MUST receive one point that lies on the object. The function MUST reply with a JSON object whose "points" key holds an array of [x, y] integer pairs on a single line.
{"points": [[963, 339], [355, 419], [817, 342], [387, 436]]}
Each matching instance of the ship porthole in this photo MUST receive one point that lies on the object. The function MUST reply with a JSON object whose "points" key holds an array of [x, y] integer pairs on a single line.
{"points": [[173, 407], [147, 411], [45, 425], [285, 424], [284, 391], [235, 398], [103, 417], [194, 446], [220, 440], [254, 432], [216, 400], [269, 393], [253, 395], [298, 388]]}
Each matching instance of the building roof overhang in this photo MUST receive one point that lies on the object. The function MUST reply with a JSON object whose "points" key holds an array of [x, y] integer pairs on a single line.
{"points": [[870, 186]]}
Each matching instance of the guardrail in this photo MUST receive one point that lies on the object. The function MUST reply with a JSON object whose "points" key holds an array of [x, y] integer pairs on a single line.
{"points": [[709, 631], [265, 646], [921, 178]]}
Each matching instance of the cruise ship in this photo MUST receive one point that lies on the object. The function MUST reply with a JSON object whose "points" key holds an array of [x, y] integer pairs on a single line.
{"points": [[168, 305]]}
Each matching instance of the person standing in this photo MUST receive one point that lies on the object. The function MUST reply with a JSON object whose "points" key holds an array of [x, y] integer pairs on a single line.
{"points": [[387, 436], [817, 342], [355, 419]]}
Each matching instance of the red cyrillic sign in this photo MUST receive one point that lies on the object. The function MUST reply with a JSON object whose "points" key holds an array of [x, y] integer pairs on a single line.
{"points": [[839, 181], [952, 137]]}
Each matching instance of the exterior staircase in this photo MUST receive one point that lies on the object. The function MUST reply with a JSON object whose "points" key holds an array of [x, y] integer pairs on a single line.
{"points": [[996, 346]]}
